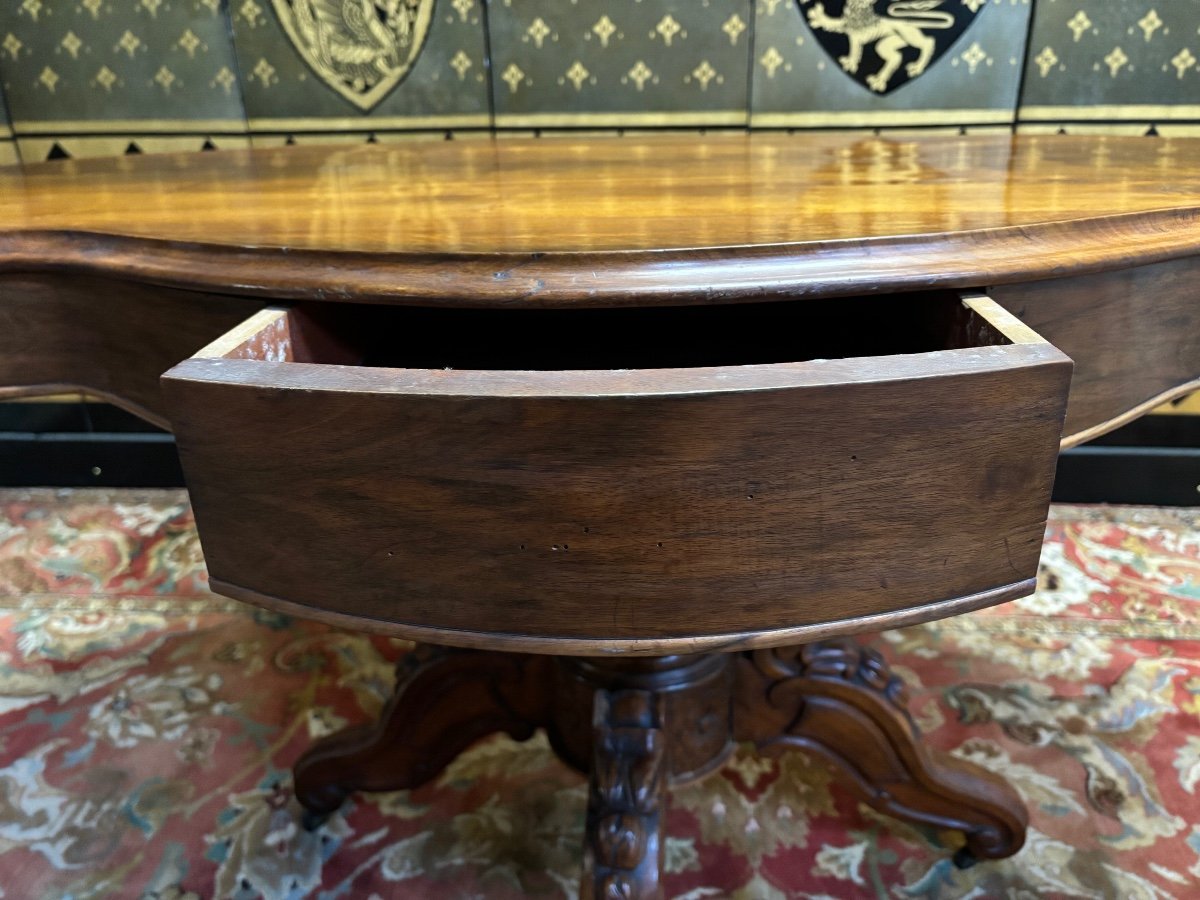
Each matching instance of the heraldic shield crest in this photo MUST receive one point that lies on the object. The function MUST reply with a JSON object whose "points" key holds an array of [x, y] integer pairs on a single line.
{"points": [[884, 44], [360, 48]]}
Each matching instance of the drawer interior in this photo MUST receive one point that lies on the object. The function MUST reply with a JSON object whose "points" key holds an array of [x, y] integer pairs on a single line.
{"points": [[613, 339]]}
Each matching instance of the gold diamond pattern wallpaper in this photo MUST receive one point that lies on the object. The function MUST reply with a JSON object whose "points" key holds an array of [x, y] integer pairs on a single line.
{"points": [[1124, 66], [95, 76], [92, 77], [620, 63]]}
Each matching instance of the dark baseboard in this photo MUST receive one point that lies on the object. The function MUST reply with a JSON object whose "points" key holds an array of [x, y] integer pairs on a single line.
{"points": [[83, 445], [1154, 461]]}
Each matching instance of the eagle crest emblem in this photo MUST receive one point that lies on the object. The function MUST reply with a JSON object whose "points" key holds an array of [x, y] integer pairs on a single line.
{"points": [[884, 44], [360, 48]]}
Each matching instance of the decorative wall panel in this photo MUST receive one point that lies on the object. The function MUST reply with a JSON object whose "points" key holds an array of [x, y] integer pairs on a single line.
{"points": [[1113, 65], [321, 67], [887, 63], [620, 63], [95, 76], [90, 77]]}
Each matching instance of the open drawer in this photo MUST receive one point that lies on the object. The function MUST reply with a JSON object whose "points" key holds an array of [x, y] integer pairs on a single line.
{"points": [[637, 480]]}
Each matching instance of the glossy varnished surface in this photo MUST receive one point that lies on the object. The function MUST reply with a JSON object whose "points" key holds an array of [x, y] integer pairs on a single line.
{"points": [[635, 193], [1057, 225]]}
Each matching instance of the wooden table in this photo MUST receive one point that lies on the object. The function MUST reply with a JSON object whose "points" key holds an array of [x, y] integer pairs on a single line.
{"points": [[643, 427]]}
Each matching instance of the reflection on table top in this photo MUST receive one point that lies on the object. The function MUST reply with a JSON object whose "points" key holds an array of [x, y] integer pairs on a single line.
{"points": [[596, 194]]}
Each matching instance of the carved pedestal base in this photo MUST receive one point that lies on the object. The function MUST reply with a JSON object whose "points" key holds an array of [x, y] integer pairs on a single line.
{"points": [[445, 700], [637, 726], [840, 701]]}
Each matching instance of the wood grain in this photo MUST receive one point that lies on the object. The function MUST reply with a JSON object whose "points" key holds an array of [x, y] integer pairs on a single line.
{"points": [[614, 509], [1134, 335], [113, 339], [579, 195], [651, 219]]}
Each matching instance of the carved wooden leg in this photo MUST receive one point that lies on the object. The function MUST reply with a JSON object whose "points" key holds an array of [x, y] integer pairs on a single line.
{"points": [[656, 722], [840, 701], [627, 793], [445, 700]]}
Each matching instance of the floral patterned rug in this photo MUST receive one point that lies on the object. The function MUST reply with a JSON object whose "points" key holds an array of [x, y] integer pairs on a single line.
{"points": [[147, 729]]}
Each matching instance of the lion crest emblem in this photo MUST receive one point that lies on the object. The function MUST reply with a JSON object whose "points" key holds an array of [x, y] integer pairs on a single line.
{"points": [[360, 48], [884, 44]]}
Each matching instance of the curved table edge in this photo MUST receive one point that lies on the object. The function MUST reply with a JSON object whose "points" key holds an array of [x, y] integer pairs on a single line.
{"points": [[1134, 412], [54, 389], [709, 275], [567, 645]]}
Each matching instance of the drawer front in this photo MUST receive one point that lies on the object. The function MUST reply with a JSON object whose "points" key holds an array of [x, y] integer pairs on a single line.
{"points": [[640, 511]]}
